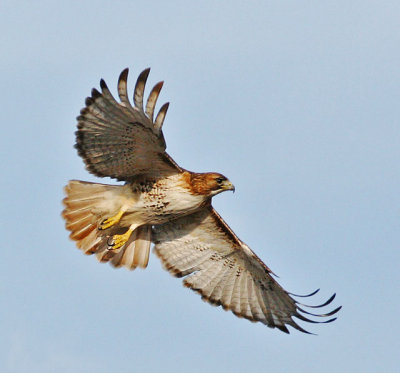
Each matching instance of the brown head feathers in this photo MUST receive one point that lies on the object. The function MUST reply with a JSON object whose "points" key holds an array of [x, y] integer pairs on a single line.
{"points": [[209, 183]]}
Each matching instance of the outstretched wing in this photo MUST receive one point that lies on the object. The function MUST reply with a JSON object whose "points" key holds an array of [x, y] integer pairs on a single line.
{"points": [[224, 270], [120, 140]]}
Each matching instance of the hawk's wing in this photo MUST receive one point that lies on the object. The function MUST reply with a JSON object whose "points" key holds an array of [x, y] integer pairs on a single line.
{"points": [[120, 140], [224, 270]]}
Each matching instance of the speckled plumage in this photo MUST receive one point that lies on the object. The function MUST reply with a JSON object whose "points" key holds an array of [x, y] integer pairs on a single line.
{"points": [[167, 205]]}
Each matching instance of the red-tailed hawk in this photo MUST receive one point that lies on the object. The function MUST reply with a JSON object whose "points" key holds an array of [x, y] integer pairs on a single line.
{"points": [[163, 203]]}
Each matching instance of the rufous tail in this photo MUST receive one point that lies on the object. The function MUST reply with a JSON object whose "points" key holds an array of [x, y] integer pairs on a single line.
{"points": [[85, 208]]}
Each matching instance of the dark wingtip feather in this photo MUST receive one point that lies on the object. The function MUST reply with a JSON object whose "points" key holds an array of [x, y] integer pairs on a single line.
{"points": [[283, 328], [320, 305], [299, 328], [124, 74], [95, 93], [145, 73], [84, 110], [330, 320], [305, 296], [103, 84], [320, 315], [142, 78], [303, 318]]}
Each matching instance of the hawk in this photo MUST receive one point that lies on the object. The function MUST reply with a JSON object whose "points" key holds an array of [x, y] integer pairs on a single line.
{"points": [[164, 204]]}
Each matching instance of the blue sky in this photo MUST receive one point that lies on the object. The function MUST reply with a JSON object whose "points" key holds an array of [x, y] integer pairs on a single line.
{"points": [[297, 102]]}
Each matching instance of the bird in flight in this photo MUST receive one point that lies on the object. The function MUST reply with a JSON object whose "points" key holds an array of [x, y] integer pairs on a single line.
{"points": [[162, 203]]}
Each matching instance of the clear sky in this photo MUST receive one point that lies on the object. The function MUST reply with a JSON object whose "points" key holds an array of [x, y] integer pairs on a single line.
{"points": [[297, 102]]}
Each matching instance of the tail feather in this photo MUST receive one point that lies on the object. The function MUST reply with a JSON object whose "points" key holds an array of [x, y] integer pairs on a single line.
{"points": [[90, 243], [143, 241], [85, 210], [80, 234], [137, 250]]}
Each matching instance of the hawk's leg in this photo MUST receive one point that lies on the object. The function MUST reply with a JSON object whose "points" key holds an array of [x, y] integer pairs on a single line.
{"points": [[109, 222], [119, 240]]}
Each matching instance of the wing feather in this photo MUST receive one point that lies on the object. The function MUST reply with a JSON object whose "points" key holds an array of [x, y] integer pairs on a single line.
{"points": [[245, 307], [219, 266], [255, 307], [227, 291], [161, 116], [217, 293], [265, 308], [208, 291], [234, 306], [139, 88], [123, 89], [152, 100], [119, 140]]}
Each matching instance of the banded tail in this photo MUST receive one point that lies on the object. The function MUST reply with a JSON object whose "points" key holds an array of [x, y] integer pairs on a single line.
{"points": [[86, 206]]}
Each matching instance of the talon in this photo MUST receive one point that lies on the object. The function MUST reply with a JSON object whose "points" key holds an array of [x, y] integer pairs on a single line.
{"points": [[119, 240], [110, 243], [109, 222]]}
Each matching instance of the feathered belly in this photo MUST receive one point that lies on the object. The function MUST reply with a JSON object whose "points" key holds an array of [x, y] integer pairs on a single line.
{"points": [[164, 202]]}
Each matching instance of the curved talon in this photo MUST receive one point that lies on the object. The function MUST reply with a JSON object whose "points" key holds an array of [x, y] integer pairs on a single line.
{"points": [[109, 222], [119, 240], [110, 244]]}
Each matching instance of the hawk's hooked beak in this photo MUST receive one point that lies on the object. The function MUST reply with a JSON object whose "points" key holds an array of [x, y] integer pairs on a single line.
{"points": [[227, 185]]}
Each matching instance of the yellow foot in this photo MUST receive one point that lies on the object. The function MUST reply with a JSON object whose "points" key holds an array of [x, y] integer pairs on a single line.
{"points": [[119, 240], [107, 223]]}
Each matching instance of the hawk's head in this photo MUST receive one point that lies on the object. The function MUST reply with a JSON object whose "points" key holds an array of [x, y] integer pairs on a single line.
{"points": [[210, 183]]}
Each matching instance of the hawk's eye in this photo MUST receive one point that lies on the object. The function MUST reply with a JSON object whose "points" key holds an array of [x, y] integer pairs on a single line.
{"points": [[220, 180]]}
